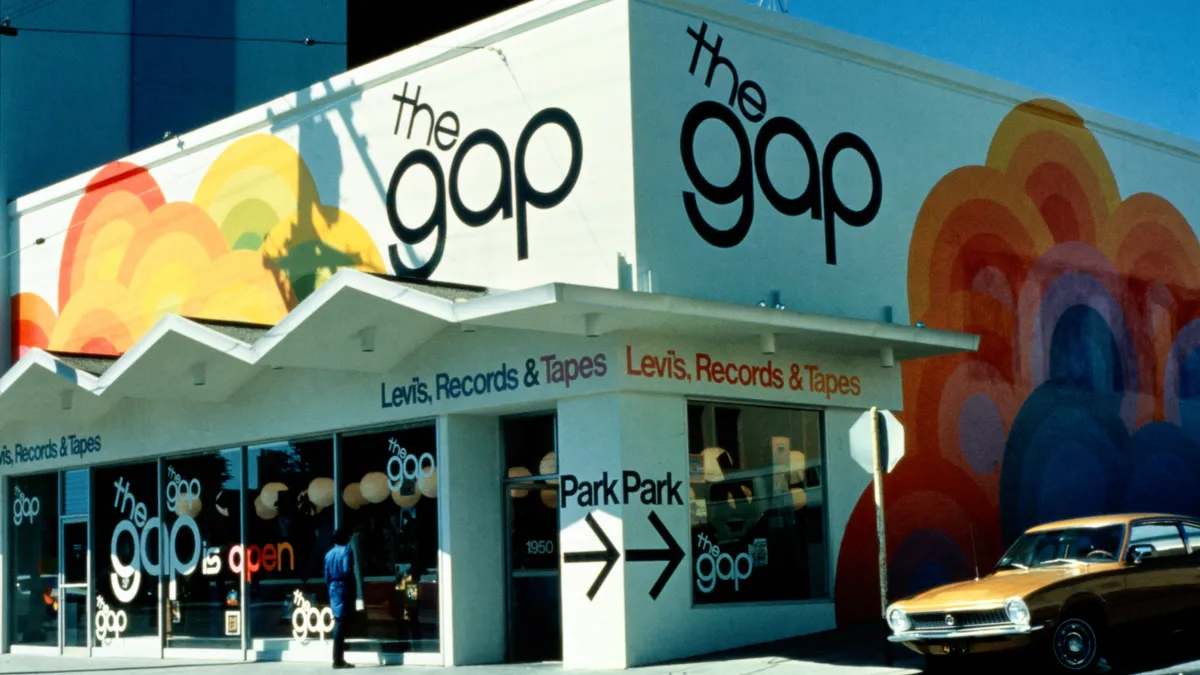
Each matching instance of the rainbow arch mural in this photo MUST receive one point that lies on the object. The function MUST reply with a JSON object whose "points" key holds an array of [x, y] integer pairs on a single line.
{"points": [[1084, 396], [254, 241]]}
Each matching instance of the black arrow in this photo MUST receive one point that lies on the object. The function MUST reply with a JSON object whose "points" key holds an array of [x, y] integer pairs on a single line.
{"points": [[608, 556], [672, 554]]}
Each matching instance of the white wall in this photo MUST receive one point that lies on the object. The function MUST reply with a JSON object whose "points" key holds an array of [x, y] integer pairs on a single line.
{"points": [[623, 626], [472, 526], [845, 480], [589, 443], [920, 119]]}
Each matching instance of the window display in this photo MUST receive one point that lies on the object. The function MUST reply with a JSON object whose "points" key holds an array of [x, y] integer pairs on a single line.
{"points": [[389, 495], [33, 505], [756, 500], [289, 527], [127, 554], [203, 519]]}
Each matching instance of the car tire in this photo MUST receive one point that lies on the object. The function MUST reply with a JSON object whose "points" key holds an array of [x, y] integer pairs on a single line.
{"points": [[1075, 643]]}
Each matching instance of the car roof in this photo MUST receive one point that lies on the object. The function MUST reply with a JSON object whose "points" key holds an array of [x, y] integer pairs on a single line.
{"points": [[1101, 521]]}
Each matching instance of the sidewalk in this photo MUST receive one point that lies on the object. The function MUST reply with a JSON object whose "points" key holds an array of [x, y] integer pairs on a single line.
{"points": [[844, 652]]}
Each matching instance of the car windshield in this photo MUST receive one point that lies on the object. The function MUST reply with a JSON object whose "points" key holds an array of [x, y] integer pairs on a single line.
{"points": [[1064, 547]]}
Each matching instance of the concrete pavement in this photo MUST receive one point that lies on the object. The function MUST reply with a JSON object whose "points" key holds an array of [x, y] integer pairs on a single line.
{"points": [[844, 652]]}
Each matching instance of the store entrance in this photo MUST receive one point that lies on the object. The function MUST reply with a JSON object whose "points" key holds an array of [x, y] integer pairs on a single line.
{"points": [[534, 605], [74, 591], [531, 495]]}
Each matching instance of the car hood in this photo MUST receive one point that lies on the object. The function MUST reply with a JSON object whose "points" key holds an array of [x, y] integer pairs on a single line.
{"points": [[991, 590]]}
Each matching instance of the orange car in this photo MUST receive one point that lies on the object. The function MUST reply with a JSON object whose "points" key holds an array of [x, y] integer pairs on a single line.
{"points": [[1069, 592]]}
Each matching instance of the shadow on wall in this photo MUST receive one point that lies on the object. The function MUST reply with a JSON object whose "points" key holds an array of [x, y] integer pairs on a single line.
{"points": [[257, 237], [1084, 395]]}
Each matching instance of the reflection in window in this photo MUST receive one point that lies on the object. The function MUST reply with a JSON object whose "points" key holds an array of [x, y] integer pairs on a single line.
{"points": [[126, 554], [1193, 537], [389, 495], [1163, 537], [757, 501], [289, 522], [530, 450], [202, 498], [33, 530]]}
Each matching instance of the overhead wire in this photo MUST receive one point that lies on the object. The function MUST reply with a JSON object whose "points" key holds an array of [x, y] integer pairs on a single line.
{"points": [[308, 42], [30, 8]]}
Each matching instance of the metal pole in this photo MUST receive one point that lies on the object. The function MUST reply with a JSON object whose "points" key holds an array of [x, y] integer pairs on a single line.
{"points": [[243, 601], [878, 481]]}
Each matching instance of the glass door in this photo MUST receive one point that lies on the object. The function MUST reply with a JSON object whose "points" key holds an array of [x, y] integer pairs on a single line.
{"points": [[531, 496], [534, 595], [75, 610]]}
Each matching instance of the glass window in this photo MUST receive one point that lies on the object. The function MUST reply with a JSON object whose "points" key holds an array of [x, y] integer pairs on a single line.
{"points": [[33, 531], [757, 503], [289, 527], [76, 497], [1064, 546], [389, 500], [530, 450], [203, 521], [535, 608], [1164, 537], [1192, 532], [126, 551]]}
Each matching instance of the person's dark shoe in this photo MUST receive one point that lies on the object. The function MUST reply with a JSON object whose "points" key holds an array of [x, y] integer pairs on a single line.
{"points": [[339, 666]]}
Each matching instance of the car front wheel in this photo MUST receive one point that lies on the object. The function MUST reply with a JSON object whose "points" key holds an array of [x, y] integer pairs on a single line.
{"points": [[1075, 644]]}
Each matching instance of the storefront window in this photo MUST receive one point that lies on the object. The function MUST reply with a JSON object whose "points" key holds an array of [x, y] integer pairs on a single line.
{"points": [[203, 516], [757, 503], [389, 496], [126, 551], [289, 522], [33, 531], [531, 482]]}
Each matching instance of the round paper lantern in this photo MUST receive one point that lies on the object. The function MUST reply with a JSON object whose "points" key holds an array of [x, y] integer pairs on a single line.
{"points": [[374, 487], [270, 494], [262, 510], [799, 498], [320, 492], [711, 463], [428, 484], [188, 507], [550, 497], [352, 496], [548, 465], [519, 472], [797, 464], [406, 497]]}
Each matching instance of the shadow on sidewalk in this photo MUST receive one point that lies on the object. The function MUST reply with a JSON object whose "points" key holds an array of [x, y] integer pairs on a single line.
{"points": [[863, 645]]}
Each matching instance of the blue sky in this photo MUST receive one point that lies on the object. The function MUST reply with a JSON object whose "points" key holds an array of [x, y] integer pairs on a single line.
{"points": [[1139, 60]]}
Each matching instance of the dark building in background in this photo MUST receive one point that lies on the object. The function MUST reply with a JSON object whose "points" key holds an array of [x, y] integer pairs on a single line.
{"points": [[375, 29]]}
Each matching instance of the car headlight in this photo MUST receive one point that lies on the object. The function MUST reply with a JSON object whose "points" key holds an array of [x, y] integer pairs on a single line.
{"points": [[898, 620], [1017, 611]]}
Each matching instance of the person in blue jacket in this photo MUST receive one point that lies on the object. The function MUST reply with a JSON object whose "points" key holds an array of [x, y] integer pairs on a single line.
{"points": [[339, 576]]}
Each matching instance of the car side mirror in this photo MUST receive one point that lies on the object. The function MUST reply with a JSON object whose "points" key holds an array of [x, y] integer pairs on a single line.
{"points": [[1140, 552]]}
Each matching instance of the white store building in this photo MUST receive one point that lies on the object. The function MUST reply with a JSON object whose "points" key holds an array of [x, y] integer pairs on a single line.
{"points": [[568, 313]]}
